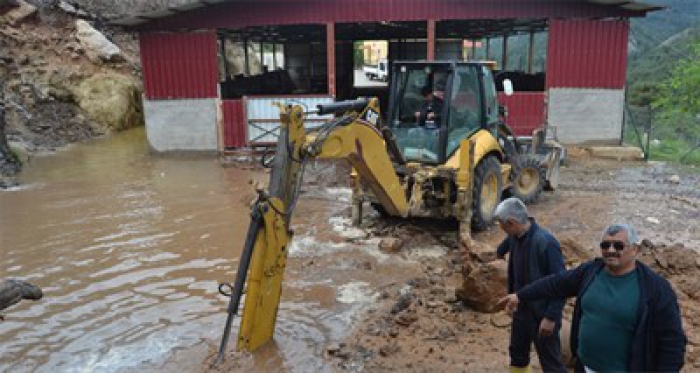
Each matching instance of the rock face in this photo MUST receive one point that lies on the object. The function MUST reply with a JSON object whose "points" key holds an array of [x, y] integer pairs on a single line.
{"points": [[9, 164], [112, 100], [484, 286], [19, 12], [97, 47]]}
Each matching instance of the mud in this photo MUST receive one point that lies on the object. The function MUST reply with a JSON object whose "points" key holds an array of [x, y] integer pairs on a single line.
{"points": [[419, 324], [131, 278]]}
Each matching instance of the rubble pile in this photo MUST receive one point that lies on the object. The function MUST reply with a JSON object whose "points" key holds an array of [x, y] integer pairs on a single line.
{"points": [[62, 81]]}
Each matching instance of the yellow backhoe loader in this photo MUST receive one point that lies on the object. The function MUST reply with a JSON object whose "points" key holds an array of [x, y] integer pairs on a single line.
{"points": [[454, 162]]}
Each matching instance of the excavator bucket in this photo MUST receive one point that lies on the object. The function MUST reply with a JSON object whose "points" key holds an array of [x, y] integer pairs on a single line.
{"points": [[269, 256], [265, 278], [264, 256]]}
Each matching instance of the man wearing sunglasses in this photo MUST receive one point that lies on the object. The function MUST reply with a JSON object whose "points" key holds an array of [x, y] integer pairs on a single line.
{"points": [[626, 317], [533, 254]]}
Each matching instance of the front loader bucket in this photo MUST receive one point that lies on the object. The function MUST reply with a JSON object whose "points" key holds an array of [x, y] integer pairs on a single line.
{"points": [[553, 161]]}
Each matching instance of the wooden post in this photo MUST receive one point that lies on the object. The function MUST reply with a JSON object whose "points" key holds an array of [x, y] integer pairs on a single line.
{"points": [[262, 58], [312, 72], [246, 58], [330, 57], [431, 40], [504, 60], [274, 56], [488, 48], [222, 40], [532, 49]]}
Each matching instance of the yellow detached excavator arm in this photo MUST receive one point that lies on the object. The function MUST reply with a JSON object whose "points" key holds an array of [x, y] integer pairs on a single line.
{"points": [[354, 136]]}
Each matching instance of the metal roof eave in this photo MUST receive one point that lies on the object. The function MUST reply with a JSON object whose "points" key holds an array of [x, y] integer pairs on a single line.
{"points": [[629, 5], [140, 19]]}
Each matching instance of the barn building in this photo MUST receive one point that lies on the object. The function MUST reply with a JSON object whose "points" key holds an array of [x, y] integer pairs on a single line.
{"points": [[213, 69]]}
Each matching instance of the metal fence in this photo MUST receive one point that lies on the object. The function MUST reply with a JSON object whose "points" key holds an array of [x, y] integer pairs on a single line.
{"points": [[637, 127], [263, 116], [643, 127]]}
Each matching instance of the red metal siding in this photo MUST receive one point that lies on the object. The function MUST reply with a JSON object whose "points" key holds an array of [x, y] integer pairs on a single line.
{"points": [[526, 111], [234, 123], [179, 65], [239, 14], [587, 53]]}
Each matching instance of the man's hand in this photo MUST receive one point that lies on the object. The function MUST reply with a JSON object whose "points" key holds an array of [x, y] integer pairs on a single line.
{"points": [[546, 328], [511, 302]]}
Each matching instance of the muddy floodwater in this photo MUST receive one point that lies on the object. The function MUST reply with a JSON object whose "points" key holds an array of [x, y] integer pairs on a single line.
{"points": [[129, 249]]}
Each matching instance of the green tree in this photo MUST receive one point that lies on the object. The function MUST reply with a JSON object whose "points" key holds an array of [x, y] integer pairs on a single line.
{"points": [[677, 108], [680, 91]]}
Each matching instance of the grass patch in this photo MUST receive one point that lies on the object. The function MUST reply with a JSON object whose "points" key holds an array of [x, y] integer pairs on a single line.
{"points": [[675, 151]]}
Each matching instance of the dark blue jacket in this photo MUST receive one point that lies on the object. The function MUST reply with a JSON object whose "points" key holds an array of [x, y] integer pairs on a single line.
{"points": [[659, 341], [544, 259]]}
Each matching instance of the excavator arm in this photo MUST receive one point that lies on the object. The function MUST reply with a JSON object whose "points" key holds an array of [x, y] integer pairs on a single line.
{"points": [[353, 136]]}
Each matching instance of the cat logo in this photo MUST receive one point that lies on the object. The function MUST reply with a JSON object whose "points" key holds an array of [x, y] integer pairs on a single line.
{"points": [[371, 117]]}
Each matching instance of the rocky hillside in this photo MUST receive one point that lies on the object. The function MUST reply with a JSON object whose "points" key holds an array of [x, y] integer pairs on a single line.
{"points": [[64, 77]]}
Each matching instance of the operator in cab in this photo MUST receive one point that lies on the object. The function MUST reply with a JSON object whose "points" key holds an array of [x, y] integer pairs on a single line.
{"points": [[429, 114]]}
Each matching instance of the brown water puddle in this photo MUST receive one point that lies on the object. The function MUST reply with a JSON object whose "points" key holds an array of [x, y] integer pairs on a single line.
{"points": [[129, 249]]}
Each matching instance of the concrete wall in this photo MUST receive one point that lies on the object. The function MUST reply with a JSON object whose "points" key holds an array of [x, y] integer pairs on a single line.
{"points": [[181, 125], [586, 115]]}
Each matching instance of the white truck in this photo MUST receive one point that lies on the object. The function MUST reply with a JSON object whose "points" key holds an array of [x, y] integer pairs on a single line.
{"points": [[380, 71]]}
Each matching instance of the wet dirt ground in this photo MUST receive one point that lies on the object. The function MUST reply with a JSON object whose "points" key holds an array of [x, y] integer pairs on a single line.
{"points": [[130, 259], [416, 323]]}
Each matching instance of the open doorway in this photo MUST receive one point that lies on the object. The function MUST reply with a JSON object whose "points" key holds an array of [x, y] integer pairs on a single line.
{"points": [[371, 64]]}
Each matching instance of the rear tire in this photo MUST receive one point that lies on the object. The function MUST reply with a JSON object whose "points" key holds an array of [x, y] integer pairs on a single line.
{"points": [[487, 192], [529, 178]]}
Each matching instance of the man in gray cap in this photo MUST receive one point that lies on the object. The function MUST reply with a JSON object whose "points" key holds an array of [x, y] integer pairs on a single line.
{"points": [[534, 253]]}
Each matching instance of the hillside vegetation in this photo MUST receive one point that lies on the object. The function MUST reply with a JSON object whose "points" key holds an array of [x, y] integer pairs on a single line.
{"points": [[663, 78]]}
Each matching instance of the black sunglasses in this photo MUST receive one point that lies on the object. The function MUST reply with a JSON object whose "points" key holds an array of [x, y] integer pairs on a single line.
{"points": [[617, 245]]}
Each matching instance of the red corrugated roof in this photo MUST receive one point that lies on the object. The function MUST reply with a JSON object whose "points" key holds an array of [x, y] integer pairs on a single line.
{"points": [[244, 13]]}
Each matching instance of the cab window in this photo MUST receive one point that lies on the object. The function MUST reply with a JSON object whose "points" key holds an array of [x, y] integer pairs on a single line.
{"points": [[490, 96], [465, 106]]}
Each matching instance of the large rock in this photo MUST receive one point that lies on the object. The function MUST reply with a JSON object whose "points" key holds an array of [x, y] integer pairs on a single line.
{"points": [[111, 100], [97, 47], [12, 291], [484, 286], [18, 13]]}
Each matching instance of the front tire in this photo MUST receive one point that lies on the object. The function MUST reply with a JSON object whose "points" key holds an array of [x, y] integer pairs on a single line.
{"points": [[529, 179], [487, 192]]}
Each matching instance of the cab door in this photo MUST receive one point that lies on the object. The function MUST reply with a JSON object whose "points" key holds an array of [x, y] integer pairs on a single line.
{"points": [[465, 106]]}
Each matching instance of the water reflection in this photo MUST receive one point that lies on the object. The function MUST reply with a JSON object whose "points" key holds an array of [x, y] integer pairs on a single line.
{"points": [[128, 248]]}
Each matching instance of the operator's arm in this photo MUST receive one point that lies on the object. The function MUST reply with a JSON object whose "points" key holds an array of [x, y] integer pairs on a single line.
{"points": [[555, 264], [558, 285], [503, 249]]}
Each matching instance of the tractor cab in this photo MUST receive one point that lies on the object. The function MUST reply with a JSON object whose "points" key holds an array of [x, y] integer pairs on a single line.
{"points": [[435, 105]]}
